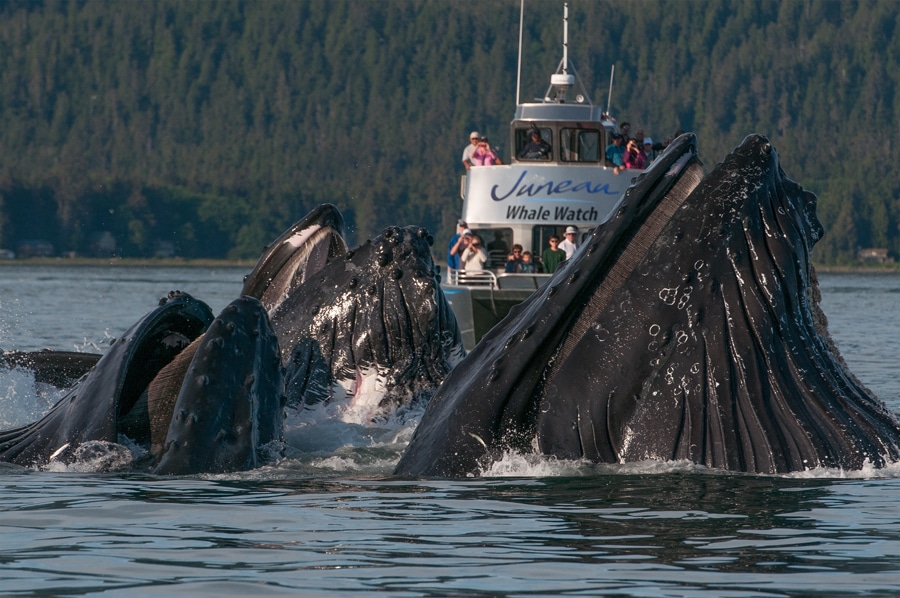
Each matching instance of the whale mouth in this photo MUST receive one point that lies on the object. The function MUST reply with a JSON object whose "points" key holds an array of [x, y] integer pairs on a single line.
{"points": [[490, 402], [110, 398], [296, 255], [685, 328], [666, 194], [313, 248]]}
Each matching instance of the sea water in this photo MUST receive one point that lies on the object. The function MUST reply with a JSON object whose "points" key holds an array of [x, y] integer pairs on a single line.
{"points": [[331, 519]]}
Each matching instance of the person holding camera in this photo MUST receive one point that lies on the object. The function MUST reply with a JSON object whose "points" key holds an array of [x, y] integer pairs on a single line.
{"points": [[474, 257], [484, 155]]}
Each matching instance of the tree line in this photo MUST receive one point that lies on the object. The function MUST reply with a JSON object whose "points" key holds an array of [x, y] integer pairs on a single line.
{"points": [[205, 128]]}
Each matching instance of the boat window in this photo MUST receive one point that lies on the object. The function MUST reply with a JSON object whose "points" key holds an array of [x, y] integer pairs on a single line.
{"points": [[540, 237], [534, 149], [580, 145], [499, 243]]}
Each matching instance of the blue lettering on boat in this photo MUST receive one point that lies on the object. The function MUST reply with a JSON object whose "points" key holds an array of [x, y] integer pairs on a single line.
{"points": [[549, 188]]}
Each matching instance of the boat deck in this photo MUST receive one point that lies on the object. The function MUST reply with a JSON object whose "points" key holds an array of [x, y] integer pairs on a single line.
{"points": [[481, 298]]}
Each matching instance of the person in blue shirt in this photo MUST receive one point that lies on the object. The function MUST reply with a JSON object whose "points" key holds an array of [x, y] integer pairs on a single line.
{"points": [[514, 261], [615, 153], [456, 246]]}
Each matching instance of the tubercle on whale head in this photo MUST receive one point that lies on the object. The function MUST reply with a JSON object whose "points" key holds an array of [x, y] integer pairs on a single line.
{"points": [[403, 251]]}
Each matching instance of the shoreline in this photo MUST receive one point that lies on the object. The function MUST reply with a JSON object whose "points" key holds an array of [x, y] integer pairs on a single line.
{"points": [[128, 262], [224, 263]]}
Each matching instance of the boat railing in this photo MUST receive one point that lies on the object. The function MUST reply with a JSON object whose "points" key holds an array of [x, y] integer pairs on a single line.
{"points": [[488, 279], [472, 278]]}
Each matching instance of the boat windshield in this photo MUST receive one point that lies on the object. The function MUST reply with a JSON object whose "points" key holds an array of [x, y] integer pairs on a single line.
{"points": [[534, 149], [579, 145]]}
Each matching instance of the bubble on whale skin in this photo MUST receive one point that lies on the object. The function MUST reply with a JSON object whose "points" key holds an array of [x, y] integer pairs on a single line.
{"points": [[668, 295]]}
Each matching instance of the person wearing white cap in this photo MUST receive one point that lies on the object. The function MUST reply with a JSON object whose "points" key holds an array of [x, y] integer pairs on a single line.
{"points": [[467, 158], [569, 244], [648, 150]]}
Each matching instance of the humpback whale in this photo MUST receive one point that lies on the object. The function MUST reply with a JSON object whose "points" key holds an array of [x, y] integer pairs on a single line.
{"points": [[100, 404], [230, 403], [687, 327], [372, 329], [208, 394]]}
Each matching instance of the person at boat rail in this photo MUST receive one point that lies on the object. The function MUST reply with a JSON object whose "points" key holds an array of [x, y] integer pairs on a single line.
{"points": [[649, 152], [484, 154], [569, 245], [553, 256], [536, 149], [528, 266], [615, 153], [457, 244], [474, 138], [634, 156], [514, 261], [474, 257]]}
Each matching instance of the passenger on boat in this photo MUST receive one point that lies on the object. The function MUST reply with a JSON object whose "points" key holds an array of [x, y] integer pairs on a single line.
{"points": [[615, 153], [484, 155], [474, 257], [527, 266], [625, 130], [457, 244], [634, 156], [649, 151], [536, 149], [569, 245], [474, 138], [553, 256], [514, 261]]}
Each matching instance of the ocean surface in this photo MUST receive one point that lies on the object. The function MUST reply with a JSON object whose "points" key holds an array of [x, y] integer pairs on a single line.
{"points": [[330, 519]]}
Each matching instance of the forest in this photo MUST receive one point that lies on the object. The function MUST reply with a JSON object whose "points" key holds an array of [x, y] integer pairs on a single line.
{"points": [[202, 128]]}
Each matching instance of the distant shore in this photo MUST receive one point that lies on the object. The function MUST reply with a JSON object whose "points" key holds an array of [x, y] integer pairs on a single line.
{"points": [[868, 269], [127, 262], [216, 263]]}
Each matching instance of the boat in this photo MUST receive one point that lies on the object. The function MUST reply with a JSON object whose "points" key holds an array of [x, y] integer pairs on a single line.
{"points": [[535, 195]]}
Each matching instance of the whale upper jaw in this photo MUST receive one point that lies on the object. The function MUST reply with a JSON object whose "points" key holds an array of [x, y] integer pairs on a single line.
{"points": [[685, 328], [303, 249]]}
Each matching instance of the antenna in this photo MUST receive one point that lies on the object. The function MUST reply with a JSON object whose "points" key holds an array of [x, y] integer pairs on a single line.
{"points": [[609, 99], [565, 65], [562, 80], [519, 69]]}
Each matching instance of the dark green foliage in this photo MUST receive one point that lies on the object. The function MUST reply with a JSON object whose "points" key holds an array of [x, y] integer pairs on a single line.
{"points": [[214, 125]]}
